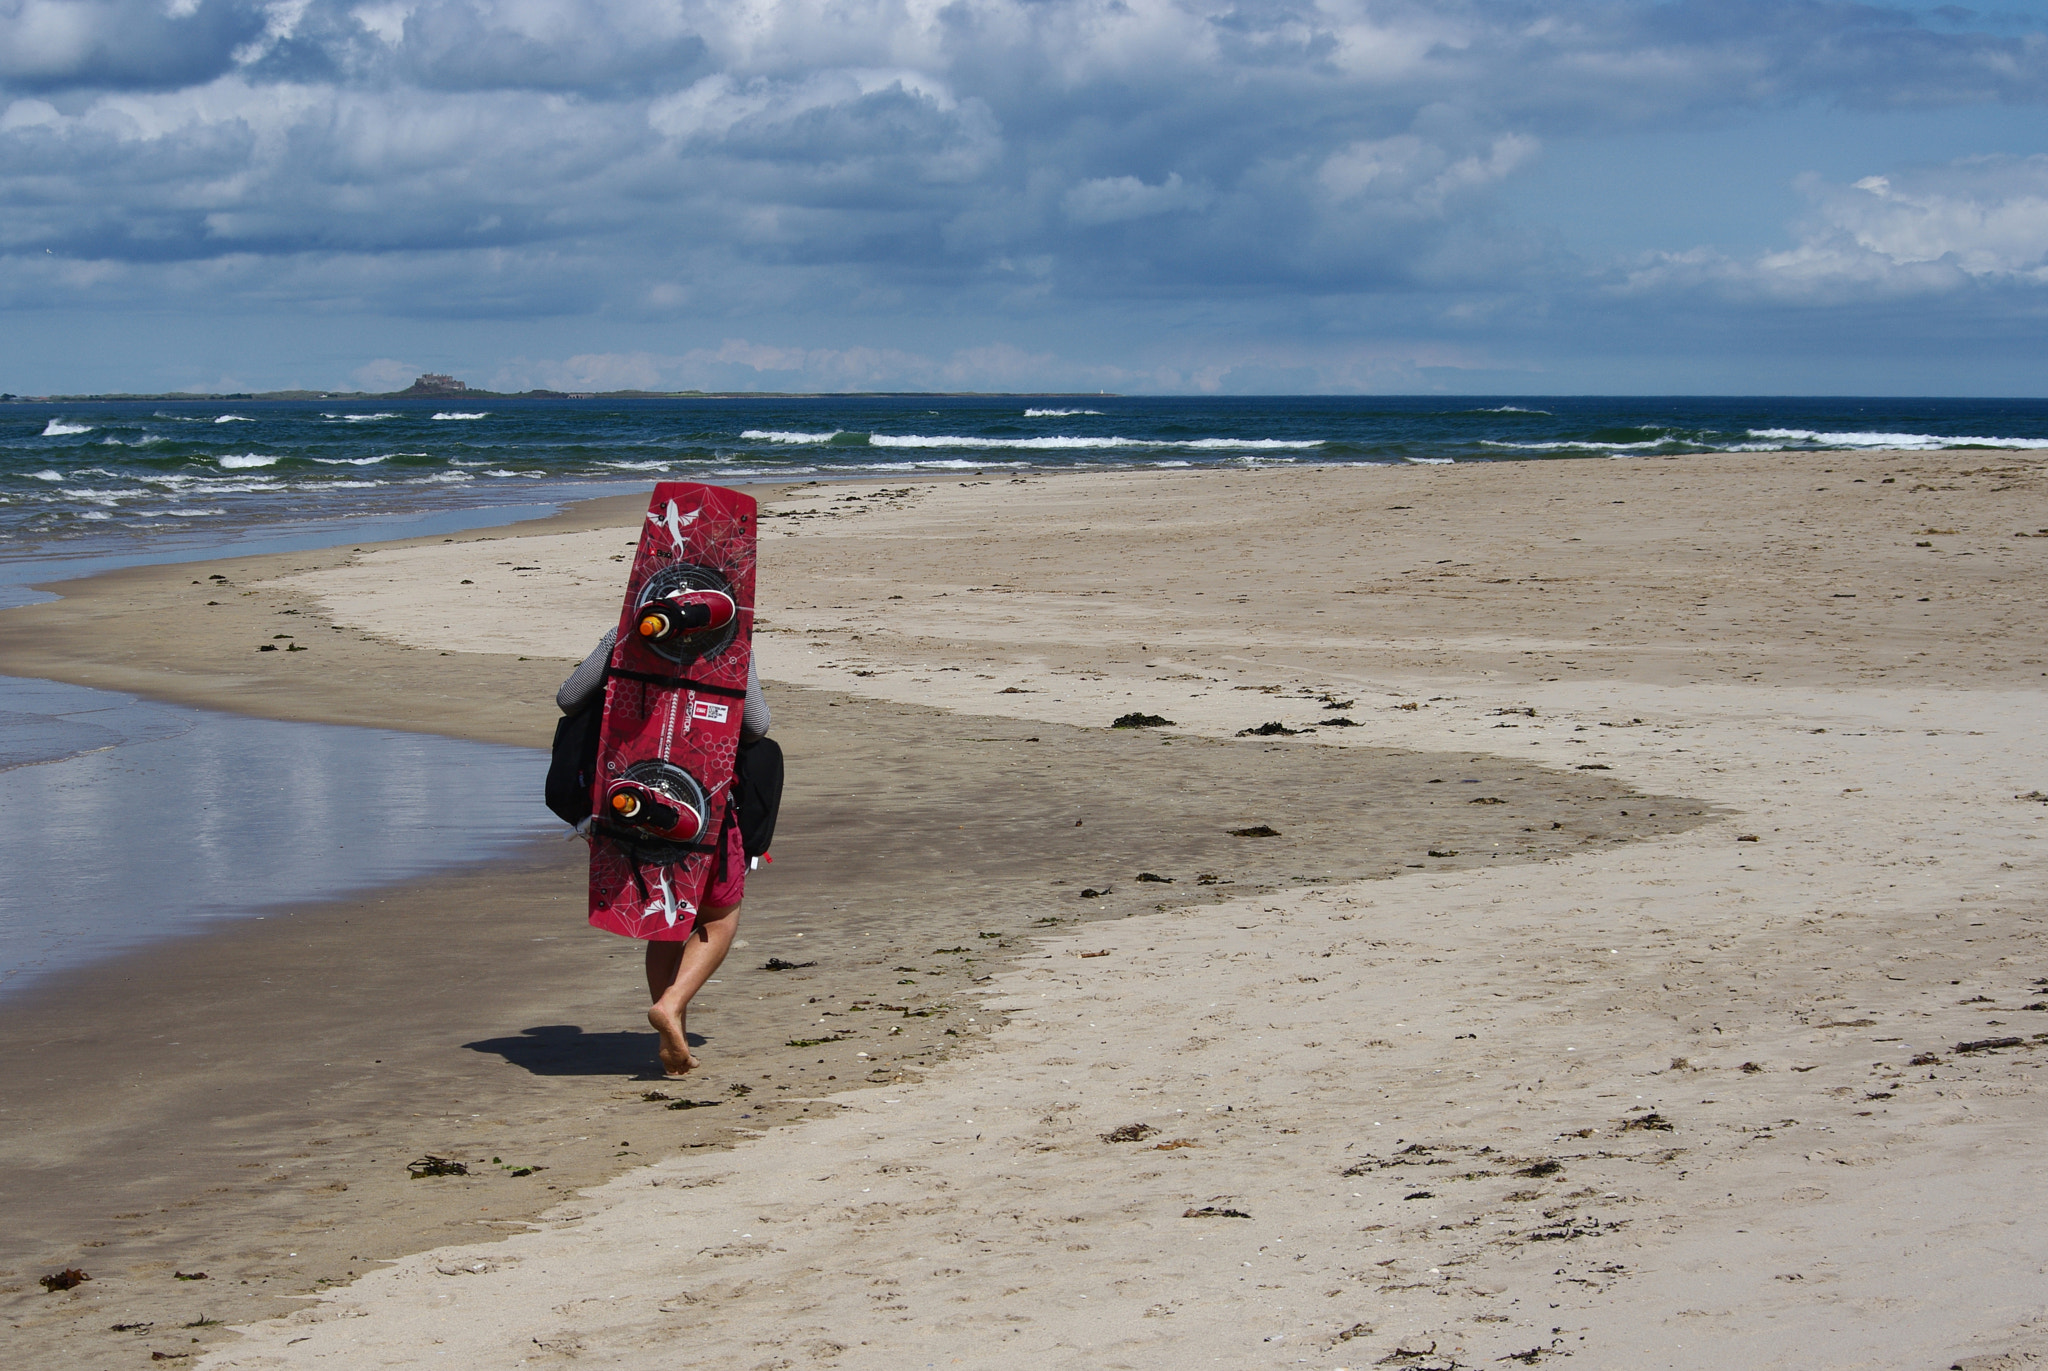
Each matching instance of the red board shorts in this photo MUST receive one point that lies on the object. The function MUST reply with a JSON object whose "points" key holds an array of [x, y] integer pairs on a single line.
{"points": [[729, 889]]}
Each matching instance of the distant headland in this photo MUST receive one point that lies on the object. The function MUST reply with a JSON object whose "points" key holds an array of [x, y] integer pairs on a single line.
{"points": [[434, 385]]}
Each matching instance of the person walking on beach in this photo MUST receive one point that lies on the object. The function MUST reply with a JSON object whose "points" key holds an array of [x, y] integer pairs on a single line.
{"points": [[676, 971]]}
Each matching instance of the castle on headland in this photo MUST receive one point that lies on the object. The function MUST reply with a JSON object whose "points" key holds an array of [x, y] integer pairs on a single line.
{"points": [[434, 383]]}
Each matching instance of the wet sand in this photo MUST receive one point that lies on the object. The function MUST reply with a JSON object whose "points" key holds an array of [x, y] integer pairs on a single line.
{"points": [[1831, 785]]}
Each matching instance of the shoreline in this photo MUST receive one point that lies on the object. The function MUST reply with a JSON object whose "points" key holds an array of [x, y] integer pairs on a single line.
{"points": [[1050, 657]]}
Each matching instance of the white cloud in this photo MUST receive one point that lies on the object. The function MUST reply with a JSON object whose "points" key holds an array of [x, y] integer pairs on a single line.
{"points": [[1113, 199], [1921, 231], [1987, 215]]}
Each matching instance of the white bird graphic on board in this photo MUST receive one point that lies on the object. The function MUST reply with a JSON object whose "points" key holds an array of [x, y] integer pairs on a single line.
{"points": [[674, 521]]}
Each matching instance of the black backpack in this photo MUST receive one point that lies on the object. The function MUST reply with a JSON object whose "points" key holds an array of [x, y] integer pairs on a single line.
{"points": [[572, 767], [757, 785]]}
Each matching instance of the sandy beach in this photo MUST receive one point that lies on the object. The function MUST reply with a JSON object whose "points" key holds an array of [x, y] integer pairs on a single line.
{"points": [[1649, 972]]}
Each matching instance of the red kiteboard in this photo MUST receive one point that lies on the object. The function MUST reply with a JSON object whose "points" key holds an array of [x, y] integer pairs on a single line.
{"points": [[673, 696]]}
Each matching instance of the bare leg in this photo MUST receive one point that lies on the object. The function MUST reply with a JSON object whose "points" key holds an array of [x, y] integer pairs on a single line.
{"points": [[676, 972]]}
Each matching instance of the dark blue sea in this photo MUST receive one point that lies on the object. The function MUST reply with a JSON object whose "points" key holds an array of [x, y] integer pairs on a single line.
{"points": [[83, 478]]}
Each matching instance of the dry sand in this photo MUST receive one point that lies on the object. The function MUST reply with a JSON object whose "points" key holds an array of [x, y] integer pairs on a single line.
{"points": [[1681, 1091]]}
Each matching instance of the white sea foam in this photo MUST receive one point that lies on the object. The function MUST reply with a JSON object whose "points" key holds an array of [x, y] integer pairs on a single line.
{"points": [[1508, 409], [57, 428], [358, 418], [95, 515], [942, 440], [460, 414], [447, 477], [233, 419], [638, 466], [108, 498], [938, 464], [1056, 413], [176, 513], [1248, 444], [46, 475], [1912, 442], [356, 461], [1577, 446], [1429, 461], [246, 460], [777, 435]]}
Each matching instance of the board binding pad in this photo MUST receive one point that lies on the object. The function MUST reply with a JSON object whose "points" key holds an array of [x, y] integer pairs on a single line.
{"points": [[674, 693]]}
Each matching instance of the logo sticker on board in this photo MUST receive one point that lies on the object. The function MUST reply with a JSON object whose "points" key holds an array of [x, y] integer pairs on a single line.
{"points": [[710, 712]]}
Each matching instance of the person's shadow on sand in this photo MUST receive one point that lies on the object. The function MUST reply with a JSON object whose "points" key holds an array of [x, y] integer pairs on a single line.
{"points": [[563, 1049]]}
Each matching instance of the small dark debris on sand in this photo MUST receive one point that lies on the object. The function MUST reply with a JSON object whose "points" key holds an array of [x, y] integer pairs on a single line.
{"points": [[69, 1278], [1592, 766], [431, 1165], [1486, 800], [693, 1104], [1750, 1068], [777, 964], [189, 1275], [1443, 852], [1210, 1211], [1142, 721], [1546, 1167], [1275, 729], [1130, 1132], [1255, 831], [1154, 876], [130, 1327], [1339, 722], [1989, 1044], [1747, 838], [1209, 878], [2033, 795], [1925, 1059], [1091, 893], [1524, 711], [1652, 1122], [816, 1042]]}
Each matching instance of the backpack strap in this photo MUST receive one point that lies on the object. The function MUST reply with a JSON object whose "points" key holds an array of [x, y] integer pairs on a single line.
{"points": [[675, 682]]}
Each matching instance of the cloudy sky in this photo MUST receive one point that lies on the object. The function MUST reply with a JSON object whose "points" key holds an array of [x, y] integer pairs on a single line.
{"points": [[1261, 196]]}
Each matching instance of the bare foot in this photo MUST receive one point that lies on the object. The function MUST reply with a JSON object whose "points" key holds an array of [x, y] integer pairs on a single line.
{"points": [[676, 1060]]}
